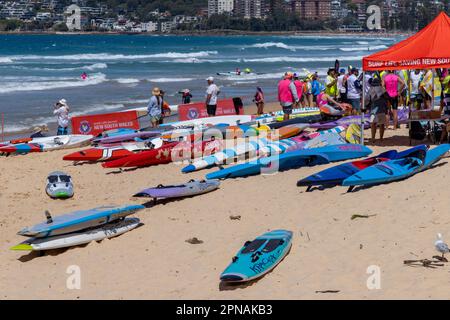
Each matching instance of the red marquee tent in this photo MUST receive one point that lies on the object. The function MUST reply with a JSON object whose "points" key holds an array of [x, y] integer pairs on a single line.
{"points": [[427, 49]]}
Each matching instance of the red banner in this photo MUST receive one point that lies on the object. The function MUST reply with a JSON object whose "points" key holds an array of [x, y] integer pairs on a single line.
{"points": [[97, 123], [198, 110]]}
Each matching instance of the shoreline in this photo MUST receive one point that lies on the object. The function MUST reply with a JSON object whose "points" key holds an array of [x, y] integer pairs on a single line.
{"points": [[225, 32]]}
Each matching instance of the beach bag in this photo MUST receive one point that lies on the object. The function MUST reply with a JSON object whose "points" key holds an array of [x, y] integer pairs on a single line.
{"points": [[417, 131]]}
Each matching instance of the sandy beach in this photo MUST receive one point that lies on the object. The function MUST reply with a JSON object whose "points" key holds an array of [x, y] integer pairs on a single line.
{"points": [[330, 251]]}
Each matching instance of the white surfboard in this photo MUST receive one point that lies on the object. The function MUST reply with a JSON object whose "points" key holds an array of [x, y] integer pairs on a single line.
{"points": [[230, 120], [109, 230], [63, 142]]}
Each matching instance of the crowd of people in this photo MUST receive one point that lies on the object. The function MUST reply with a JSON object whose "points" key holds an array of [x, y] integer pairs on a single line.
{"points": [[385, 91]]}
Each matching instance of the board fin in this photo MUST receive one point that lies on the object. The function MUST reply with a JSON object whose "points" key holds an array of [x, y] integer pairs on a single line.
{"points": [[22, 247], [48, 216]]}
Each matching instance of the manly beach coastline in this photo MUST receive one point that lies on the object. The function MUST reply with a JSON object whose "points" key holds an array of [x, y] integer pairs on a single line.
{"points": [[339, 238]]}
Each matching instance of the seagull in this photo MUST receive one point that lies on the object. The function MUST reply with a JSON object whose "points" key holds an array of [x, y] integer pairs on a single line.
{"points": [[441, 246]]}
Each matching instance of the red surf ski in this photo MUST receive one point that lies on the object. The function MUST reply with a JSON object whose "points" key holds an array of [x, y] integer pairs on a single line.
{"points": [[99, 154], [174, 151]]}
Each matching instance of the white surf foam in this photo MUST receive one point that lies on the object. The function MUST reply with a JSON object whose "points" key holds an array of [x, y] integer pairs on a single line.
{"points": [[163, 80], [300, 59], [267, 45], [363, 48], [127, 80], [109, 56], [5, 60], [40, 85]]}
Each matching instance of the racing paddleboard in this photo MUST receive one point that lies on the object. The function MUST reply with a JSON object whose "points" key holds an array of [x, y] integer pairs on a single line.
{"points": [[258, 257], [188, 189], [109, 230], [78, 220]]}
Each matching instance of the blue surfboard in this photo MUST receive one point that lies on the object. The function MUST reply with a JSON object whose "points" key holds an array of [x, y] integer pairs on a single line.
{"points": [[394, 170], [293, 159], [335, 175], [258, 257], [78, 220]]}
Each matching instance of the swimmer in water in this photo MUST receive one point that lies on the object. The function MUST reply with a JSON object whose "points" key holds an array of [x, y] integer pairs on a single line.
{"points": [[84, 76]]}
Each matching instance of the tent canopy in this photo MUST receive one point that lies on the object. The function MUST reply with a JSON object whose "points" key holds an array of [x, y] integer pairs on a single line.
{"points": [[429, 48]]}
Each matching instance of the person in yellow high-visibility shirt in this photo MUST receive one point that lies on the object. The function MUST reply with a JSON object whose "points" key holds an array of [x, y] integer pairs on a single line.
{"points": [[331, 83], [446, 105]]}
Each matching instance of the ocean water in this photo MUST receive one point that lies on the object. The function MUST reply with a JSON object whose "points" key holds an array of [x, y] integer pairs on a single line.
{"points": [[38, 70]]}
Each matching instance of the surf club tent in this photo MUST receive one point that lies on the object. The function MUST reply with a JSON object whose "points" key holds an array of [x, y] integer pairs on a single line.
{"points": [[427, 49]]}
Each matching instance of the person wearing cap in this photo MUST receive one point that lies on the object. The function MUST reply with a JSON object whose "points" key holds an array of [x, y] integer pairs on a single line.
{"points": [[154, 107], [287, 94], [342, 86], [62, 116], [376, 100], [300, 87], [354, 88], [211, 97], [330, 83], [38, 132], [186, 96]]}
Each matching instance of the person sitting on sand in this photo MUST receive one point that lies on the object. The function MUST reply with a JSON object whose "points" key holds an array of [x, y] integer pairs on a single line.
{"points": [[287, 94], [259, 101], [154, 107], [38, 132], [62, 113], [377, 101]]}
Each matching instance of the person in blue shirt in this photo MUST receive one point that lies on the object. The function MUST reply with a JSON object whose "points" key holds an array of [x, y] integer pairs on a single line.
{"points": [[316, 86]]}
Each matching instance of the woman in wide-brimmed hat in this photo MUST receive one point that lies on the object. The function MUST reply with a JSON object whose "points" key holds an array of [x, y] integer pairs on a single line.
{"points": [[38, 131], [154, 107]]}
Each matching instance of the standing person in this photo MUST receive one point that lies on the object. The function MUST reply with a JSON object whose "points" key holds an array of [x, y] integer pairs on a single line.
{"points": [[426, 87], [62, 113], [211, 97], [446, 104], [186, 96], [316, 87], [165, 108], [342, 86], [287, 94], [300, 87], [403, 94], [308, 92], [377, 103], [354, 91], [259, 100], [392, 82], [331, 83], [154, 107], [415, 94]]}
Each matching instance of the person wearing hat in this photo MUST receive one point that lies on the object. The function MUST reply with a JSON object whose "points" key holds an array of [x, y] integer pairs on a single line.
{"points": [[287, 94], [38, 132], [354, 89], [186, 96], [211, 97], [300, 86], [154, 107], [62, 114], [331, 83], [377, 101]]}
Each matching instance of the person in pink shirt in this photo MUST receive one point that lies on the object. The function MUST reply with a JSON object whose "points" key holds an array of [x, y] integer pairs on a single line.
{"points": [[300, 86], [391, 83], [287, 94]]}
